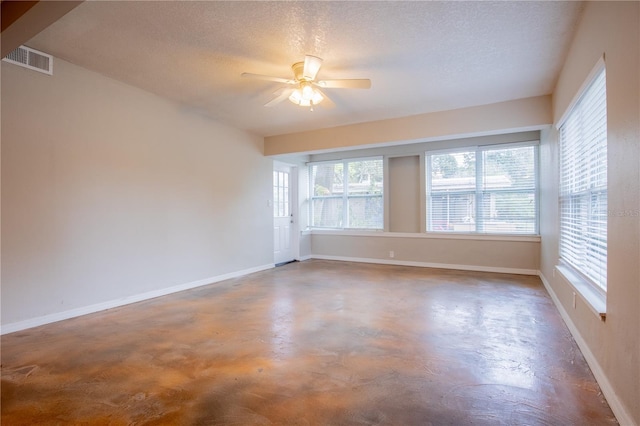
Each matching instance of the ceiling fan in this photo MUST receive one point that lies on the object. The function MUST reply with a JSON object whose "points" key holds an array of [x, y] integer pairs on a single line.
{"points": [[304, 89]]}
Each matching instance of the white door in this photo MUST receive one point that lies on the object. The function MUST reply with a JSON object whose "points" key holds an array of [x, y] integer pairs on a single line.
{"points": [[283, 210]]}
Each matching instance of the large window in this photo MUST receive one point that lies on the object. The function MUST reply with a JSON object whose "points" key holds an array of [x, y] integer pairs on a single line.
{"points": [[485, 189], [347, 194], [583, 184]]}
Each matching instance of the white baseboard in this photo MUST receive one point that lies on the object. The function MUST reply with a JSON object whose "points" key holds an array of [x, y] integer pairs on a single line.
{"points": [[618, 408], [72, 313], [429, 264], [303, 258]]}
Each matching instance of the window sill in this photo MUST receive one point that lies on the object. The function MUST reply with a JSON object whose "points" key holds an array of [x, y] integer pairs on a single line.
{"points": [[428, 235], [596, 301]]}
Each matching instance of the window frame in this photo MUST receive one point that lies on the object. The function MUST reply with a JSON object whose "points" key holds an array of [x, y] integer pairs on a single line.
{"points": [[478, 191], [345, 193]]}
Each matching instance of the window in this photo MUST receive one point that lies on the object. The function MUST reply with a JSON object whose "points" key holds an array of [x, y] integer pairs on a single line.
{"points": [[280, 194], [347, 194], [583, 184], [488, 189]]}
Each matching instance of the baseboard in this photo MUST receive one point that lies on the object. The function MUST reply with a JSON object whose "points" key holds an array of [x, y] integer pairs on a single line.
{"points": [[303, 258], [429, 264], [73, 313], [618, 408]]}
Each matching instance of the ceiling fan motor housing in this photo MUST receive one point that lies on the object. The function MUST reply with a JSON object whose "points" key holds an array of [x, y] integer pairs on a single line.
{"points": [[298, 70]]}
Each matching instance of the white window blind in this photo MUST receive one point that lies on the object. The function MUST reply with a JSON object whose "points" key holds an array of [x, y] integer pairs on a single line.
{"points": [[347, 194], [486, 189], [583, 184]]}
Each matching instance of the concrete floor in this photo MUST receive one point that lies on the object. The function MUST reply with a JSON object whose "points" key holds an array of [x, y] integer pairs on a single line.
{"points": [[311, 343]]}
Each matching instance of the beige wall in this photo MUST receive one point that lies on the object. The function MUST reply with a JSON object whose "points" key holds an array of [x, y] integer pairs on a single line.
{"points": [[504, 117], [404, 194], [109, 191], [303, 211], [612, 346], [520, 255], [419, 148]]}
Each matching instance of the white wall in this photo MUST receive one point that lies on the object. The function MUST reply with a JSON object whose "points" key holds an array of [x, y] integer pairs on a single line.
{"points": [[612, 347], [110, 192]]}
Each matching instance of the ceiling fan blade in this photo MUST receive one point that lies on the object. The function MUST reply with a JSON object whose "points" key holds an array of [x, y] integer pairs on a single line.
{"points": [[326, 102], [312, 65], [354, 83], [281, 95], [267, 78]]}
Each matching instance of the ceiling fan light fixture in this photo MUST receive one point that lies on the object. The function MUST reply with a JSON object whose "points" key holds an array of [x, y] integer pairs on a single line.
{"points": [[307, 91], [296, 96], [304, 90], [306, 96]]}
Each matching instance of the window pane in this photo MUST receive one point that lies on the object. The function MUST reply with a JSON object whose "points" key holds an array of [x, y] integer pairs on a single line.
{"points": [[508, 191], [280, 194], [359, 205], [511, 168], [285, 194], [327, 179], [366, 212], [509, 212], [451, 206], [453, 172], [583, 185], [453, 212], [276, 194], [364, 190], [327, 212], [365, 177]]}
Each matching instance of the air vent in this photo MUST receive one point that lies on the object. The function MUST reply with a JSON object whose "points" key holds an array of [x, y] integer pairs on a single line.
{"points": [[30, 58]]}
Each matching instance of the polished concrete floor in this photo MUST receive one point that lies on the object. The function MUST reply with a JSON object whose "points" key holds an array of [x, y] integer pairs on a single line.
{"points": [[311, 343]]}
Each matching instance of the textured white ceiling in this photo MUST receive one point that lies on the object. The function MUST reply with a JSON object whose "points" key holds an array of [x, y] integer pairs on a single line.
{"points": [[420, 56]]}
